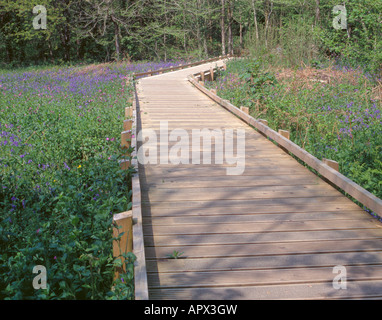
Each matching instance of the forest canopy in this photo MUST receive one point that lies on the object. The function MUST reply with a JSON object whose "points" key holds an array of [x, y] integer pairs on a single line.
{"points": [[112, 30]]}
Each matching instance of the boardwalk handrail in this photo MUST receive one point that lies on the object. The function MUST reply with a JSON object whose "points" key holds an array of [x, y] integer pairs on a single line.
{"points": [[369, 200], [174, 68], [140, 273]]}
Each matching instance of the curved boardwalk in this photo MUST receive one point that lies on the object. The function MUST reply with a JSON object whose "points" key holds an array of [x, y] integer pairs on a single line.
{"points": [[274, 232]]}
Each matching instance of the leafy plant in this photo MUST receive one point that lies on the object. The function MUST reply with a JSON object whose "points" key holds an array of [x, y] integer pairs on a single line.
{"points": [[61, 182], [175, 255], [339, 121]]}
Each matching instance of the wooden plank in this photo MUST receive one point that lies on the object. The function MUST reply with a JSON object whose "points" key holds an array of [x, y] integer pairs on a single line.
{"points": [[284, 133], [125, 164], [232, 203], [253, 227], [227, 195], [227, 181], [220, 171], [331, 163], [127, 125], [264, 208], [259, 217], [265, 262], [123, 228], [126, 139], [261, 277], [261, 237], [244, 193], [128, 112], [264, 249], [263, 121], [245, 109], [140, 272], [367, 289]]}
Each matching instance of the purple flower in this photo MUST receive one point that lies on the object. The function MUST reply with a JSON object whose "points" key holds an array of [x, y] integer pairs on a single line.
{"points": [[66, 166]]}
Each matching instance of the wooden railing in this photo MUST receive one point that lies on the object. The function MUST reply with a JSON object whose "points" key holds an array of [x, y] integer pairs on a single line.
{"points": [[179, 67], [326, 168], [130, 222]]}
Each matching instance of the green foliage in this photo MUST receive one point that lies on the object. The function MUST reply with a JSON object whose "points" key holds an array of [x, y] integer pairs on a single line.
{"points": [[257, 80], [361, 43], [284, 32], [175, 255], [61, 182]]}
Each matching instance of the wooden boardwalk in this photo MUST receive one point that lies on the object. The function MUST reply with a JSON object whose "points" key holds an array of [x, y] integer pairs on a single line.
{"points": [[274, 232]]}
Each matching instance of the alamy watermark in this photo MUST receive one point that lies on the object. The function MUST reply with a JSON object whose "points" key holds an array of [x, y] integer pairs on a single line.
{"points": [[39, 281], [193, 147], [340, 21], [340, 280], [39, 22]]}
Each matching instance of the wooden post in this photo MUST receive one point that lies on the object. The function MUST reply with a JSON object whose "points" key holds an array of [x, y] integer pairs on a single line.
{"points": [[263, 121], [127, 125], [128, 112], [214, 91], [211, 74], [125, 164], [202, 76], [332, 164], [160, 70], [284, 133], [124, 223], [150, 74], [202, 83], [126, 139], [224, 67], [244, 109]]}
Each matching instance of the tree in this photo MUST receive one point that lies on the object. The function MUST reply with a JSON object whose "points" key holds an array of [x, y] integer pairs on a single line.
{"points": [[222, 26]]}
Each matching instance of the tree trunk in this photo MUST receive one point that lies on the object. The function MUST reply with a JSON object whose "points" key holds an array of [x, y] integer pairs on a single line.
{"points": [[50, 51], [267, 12], [164, 46], [241, 36], [255, 19], [65, 38], [184, 28], [117, 44], [230, 22], [222, 26], [317, 20], [9, 51]]}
